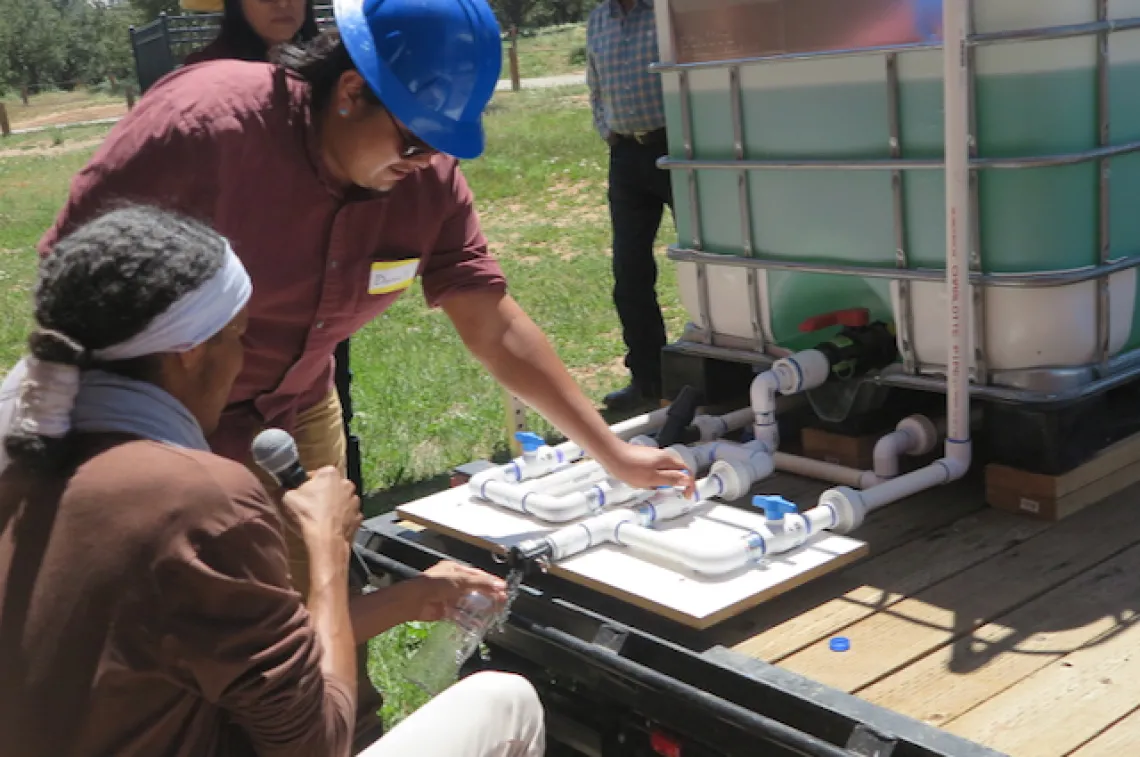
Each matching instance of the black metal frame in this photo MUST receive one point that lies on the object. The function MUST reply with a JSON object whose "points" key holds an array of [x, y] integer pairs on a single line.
{"points": [[160, 45], [712, 698]]}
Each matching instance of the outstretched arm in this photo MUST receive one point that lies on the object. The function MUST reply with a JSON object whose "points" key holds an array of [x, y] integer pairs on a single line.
{"points": [[502, 337]]}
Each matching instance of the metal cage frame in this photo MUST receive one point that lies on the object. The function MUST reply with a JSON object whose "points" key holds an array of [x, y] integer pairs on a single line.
{"points": [[1039, 385]]}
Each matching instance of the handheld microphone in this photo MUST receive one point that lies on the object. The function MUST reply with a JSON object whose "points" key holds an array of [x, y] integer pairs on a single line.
{"points": [[275, 452]]}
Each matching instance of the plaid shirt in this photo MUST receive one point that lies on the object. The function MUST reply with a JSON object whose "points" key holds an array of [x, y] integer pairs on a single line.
{"points": [[624, 95]]}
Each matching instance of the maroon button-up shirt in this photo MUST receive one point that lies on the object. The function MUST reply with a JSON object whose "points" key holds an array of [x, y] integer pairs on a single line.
{"points": [[233, 143]]}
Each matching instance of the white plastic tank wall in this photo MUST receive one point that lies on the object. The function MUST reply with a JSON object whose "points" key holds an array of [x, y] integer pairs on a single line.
{"points": [[848, 218]]}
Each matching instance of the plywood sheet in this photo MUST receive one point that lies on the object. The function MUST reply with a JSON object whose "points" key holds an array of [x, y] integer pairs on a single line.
{"points": [[668, 590], [1066, 703], [956, 607], [1120, 738], [879, 584], [1081, 613]]}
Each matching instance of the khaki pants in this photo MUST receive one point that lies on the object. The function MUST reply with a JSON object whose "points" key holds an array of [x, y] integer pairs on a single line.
{"points": [[488, 714], [319, 435]]}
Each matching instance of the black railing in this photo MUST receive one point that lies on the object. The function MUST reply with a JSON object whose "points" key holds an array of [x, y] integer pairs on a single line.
{"points": [[160, 46]]}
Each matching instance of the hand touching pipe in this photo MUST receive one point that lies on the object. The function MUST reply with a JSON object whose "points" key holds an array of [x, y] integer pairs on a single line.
{"points": [[648, 467]]}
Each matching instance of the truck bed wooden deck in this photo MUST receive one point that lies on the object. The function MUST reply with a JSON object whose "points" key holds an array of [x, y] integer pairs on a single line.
{"points": [[1016, 633]]}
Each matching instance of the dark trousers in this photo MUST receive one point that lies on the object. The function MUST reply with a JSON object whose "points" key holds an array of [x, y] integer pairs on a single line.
{"points": [[638, 194]]}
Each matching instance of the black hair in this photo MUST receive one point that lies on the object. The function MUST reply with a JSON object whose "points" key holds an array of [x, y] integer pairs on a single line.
{"points": [[321, 62], [238, 36], [104, 283]]}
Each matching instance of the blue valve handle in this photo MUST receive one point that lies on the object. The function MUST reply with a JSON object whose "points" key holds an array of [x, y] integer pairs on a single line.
{"points": [[529, 441], [774, 506]]}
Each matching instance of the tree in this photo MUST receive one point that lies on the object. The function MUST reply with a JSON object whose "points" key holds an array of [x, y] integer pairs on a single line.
{"points": [[34, 51], [62, 43], [149, 10], [531, 13]]}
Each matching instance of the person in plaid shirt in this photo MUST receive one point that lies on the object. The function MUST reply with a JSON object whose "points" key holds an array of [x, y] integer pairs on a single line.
{"points": [[625, 96]]}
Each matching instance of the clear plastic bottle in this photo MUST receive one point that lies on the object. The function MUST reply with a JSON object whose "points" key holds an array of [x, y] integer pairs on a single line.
{"points": [[435, 665]]}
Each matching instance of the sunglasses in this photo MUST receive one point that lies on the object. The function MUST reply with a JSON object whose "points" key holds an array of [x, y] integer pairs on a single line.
{"points": [[410, 144]]}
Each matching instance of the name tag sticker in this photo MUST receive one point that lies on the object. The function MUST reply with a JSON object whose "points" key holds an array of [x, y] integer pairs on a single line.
{"points": [[392, 275]]}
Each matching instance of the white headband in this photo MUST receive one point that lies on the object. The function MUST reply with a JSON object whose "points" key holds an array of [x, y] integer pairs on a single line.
{"points": [[191, 320], [37, 397]]}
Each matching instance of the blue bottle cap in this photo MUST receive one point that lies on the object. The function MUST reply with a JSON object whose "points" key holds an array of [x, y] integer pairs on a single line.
{"points": [[839, 644], [774, 506], [529, 441]]}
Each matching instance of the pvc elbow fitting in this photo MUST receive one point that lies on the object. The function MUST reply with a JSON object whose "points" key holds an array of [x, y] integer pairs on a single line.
{"points": [[914, 435], [957, 460], [922, 433], [887, 452], [802, 371], [762, 393], [475, 484]]}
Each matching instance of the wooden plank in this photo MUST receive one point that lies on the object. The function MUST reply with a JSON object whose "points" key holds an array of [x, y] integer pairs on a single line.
{"points": [[1000, 495], [896, 637], [1063, 705], [884, 582], [694, 600], [955, 678], [852, 451], [1112, 458], [884, 531], [1121, 738]]}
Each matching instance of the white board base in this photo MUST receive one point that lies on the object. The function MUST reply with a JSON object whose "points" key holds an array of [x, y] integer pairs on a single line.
{"points": [[672, 591]]}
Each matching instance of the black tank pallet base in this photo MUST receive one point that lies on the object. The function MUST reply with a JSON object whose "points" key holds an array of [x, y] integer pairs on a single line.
{"points": [[1055, 439]]}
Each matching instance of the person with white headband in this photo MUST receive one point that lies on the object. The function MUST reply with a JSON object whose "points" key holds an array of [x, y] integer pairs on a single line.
{"points": [[146, 605]]}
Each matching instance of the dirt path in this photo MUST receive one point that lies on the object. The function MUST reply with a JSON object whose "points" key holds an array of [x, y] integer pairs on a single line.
{"points": [[49, 149], [66, 116]]}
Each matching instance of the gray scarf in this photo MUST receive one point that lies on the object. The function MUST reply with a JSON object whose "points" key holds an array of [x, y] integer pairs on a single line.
{"points": [[108, 403]]}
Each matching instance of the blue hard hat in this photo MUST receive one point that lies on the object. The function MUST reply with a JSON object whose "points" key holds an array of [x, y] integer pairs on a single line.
{"points": [[433, 63]]}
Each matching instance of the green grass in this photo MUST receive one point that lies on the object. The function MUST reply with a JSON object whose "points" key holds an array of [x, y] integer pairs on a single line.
{"points": [[549, 52], [424, 405]]}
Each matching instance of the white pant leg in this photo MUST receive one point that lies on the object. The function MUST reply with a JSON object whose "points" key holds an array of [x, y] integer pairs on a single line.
{"points": [[487, 714]]}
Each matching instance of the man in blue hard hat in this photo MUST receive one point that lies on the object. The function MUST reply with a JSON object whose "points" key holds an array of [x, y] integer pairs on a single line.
{"points": [[334, 174]]}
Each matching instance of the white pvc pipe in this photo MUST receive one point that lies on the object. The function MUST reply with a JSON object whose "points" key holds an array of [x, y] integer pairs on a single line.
{"points": [[546, 459], [904, 486], [796, 373], [566, 486], [887, 452], [560, 509], [836, 474], [957, 456], [569, 541], [956, 89], [763, 396], [641, 424], [577, 474], [709, 558], [715, 426]]}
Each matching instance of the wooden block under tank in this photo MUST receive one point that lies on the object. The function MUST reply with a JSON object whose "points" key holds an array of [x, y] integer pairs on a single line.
{"points": [[1057, 497], [851, 451]]}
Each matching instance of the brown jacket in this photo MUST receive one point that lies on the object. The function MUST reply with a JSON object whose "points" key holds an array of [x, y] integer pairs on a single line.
{"points": [[146, 609]]}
